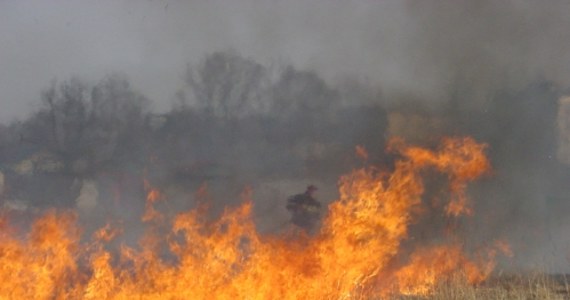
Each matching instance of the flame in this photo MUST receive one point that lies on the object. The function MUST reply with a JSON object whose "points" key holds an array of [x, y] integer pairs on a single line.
{"points": [[357, 253], [504, 247], [153, 196], [361, 152], [430, 266]]}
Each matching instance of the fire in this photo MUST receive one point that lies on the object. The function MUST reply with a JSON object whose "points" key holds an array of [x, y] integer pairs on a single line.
{"points": [[153, 196], [361, 152], [357, 254]]}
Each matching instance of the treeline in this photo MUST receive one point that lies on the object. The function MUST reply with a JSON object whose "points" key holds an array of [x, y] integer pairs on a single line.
{"points": [[238, 121], [234, 117]]}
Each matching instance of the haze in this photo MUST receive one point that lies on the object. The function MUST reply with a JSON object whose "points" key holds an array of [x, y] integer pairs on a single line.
{"points": [[400, 45], [301, 84]]}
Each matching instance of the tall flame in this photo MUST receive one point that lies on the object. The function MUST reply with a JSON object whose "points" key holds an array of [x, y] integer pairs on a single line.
{"points": [[357, 253]]}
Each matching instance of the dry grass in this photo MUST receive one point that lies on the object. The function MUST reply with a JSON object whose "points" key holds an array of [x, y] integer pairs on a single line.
{"points": [[534, 286]]}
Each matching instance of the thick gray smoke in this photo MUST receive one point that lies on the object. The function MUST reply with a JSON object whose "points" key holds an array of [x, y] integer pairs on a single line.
{"points": [[305, 84], [501, 68]]}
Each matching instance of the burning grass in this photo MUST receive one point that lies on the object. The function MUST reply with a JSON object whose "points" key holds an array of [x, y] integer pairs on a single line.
{"points": [[357, 254]]}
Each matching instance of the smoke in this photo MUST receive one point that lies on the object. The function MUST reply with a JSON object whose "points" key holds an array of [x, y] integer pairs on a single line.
{"points": [[425, 50], [484, 46], [501, 69], [304, 84]]}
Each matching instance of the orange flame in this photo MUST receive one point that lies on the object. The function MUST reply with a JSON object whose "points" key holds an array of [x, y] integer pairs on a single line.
{"points": [[153, 196], [355, 255], [361, 152]]}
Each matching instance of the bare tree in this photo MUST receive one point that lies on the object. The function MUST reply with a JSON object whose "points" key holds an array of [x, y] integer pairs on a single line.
{"points": [[77, 122], [298, 92], [117, 119], [228, 85], [65, 109]]}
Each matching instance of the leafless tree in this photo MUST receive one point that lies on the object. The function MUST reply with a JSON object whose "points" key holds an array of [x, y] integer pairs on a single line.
{"points": [[228, 85]]}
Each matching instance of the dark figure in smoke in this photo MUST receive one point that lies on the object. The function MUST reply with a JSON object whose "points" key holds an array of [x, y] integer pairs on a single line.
{"points": [[305, 209]]}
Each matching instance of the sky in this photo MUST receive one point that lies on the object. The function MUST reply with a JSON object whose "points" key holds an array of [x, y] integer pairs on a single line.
{"points": [[418, 47]]}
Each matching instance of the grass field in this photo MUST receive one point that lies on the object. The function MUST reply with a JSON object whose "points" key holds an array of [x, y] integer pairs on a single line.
{"points": [[531, 286]]}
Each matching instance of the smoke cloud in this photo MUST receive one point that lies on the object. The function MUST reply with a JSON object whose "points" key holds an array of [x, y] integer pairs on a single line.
{"points": [[277, 95]]}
